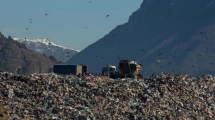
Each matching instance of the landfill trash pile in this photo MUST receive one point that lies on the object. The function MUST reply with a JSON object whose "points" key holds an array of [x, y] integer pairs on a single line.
{"points": [[51, 96]]}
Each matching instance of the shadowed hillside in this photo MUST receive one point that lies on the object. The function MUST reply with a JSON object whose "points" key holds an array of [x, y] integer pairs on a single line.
{"points": [[16, 58], [163, 35]]}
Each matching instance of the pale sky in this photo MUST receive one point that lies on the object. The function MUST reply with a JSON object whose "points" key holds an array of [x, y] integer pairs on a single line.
{"points": [[71, 23]]}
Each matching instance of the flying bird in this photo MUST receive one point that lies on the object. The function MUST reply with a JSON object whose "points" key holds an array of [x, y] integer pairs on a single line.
{"points": [[158, 61], [85, 27], [46, 14], [107, 15]]}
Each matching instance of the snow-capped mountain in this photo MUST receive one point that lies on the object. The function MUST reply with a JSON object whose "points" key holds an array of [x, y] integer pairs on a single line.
{"points": [[164, 35], [45, 46], [16, 58]]}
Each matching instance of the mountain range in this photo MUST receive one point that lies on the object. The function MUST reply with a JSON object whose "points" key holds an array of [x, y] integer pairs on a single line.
{"points": [[164, 35], [17, 58], [48, 48]]}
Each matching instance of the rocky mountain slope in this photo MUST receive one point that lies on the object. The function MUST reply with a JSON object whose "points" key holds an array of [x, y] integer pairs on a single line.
{"points": [[45, 46], [164, 35], [16, 58]]}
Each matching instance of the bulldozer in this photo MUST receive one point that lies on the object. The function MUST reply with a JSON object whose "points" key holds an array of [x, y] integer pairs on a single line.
{"points": [[127, 69], [130, 69]]}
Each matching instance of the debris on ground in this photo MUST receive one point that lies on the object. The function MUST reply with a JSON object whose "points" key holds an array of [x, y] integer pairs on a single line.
{"points": [[52, 96]]}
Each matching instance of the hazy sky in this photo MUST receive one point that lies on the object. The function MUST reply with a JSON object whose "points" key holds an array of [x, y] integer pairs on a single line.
{"points": [[70, 23]]}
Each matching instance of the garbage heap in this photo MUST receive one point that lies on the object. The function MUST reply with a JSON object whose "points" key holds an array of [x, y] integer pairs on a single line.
{"points": [[51, 96]]}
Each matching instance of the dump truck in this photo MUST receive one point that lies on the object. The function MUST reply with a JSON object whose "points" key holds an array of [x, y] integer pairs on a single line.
{"points": [[70, 69], [127, 69], [108, 69]]}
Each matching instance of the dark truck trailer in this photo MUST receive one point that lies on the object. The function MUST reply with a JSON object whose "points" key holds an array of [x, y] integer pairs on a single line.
{"points": [[70, 69]]}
